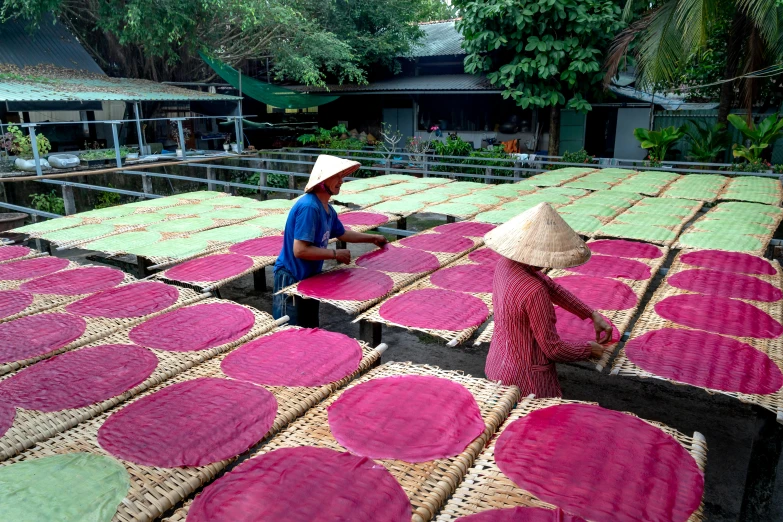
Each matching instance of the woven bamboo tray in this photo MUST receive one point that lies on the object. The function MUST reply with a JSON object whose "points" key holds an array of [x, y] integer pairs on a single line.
{"points": [[453, 337], [486, 335], [31, 427], [621, 318], [485, 487], [767, 190], [43, 301], [763, 239], [696, 189], [650, 321], [6, 284], [674, 229], [427, 484], [31, 254], [100, 327], [259, 262], [399, 279], [155, 490]]}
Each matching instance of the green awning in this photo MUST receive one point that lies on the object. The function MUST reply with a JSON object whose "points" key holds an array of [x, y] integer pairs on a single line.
{"points": [[273, 95]]}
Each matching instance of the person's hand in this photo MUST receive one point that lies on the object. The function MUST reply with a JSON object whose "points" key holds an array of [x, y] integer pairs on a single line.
{"points": [[343, 255], [603, 329], [596, 350], [379, 241]]}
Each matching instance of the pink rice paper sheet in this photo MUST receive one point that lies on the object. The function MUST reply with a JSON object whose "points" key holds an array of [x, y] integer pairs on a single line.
{"points": [[128, 301], [521, 514], [435, 242], [725, 284], [17, 252], [301, 485], [557, 454], [434, 309], [625, 248], [736, 262], [391, 258], [465, 229], [601, 293], [65, 390], [16, 272], [347, 284]]}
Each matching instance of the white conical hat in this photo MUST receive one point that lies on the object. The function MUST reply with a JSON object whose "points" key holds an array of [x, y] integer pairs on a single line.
{"points": [[539, 237], [327, 166]]}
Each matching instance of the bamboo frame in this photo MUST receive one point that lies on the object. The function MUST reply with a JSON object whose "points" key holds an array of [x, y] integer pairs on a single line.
{"points": [[100, 327], [485, 487], [399, 279], [675, 229], [427, 484], [155, 490], [31, 427], [649, 321], [453, 337], [43, 301]]}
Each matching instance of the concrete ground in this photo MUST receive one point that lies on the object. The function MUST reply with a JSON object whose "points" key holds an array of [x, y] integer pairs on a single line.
{"points": [[727, 424]]}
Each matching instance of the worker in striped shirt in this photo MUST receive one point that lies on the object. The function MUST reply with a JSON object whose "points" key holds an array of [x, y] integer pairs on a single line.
{"points": [[525, 345]]}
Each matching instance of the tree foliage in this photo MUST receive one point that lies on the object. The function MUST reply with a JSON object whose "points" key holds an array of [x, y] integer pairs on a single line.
{"points": [[306, 41], [541, 52]]}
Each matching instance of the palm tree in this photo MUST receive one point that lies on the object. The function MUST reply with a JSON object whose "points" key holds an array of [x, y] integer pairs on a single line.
{"points": [[675, 30]]}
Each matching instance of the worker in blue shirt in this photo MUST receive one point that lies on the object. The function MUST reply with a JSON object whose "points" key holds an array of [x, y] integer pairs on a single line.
{"points": [[311, 222]]}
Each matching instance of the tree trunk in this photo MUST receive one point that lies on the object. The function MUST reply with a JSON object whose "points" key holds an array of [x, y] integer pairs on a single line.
{"points": [[733, 50], [554, 131]]}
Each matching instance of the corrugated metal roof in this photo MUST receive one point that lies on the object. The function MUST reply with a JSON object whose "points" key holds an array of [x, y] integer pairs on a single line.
{"points": [[440, 39], [668, 102], [51, 43], [442, 82], [34, 88]]}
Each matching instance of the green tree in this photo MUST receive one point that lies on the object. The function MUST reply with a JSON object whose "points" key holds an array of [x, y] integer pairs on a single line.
{"points": [[305, 41], [668, 36], [542, 53]]}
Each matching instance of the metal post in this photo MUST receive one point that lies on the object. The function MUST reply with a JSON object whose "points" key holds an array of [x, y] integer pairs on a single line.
{"points": [[402, 224], [292, 186], [370, 332], [37, 240], [488, 172], [211, 175], [139, 133], [181, 137], [142, 265], [240, 129], [34, 145], [68, 200], [236, 127], [451, 219], [259, 280], [116, 135], [146, 184], [426, 167], [388, 165]]}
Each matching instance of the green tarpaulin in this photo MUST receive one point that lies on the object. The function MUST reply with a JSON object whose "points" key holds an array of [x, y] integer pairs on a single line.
{"points": [[266, 92]]}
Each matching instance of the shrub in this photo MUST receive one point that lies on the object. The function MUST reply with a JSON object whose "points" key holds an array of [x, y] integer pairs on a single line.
{"points": [[50, 202]]}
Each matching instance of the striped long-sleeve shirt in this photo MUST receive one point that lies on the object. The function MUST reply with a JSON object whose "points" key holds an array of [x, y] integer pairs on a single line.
{"points": [[525, 344]]}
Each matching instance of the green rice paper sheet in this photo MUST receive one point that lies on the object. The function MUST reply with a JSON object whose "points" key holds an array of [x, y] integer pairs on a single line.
{"points": [[704, 187], [108, 212], [571, 192], [239, 213], [639, 232], [75, 487], [228, 202], [389, 191], [619, 173], [589, 209], [155, 203], [498, 216], [508, 190], [730, 226], [177, 248], [362, 199], [647, 189], [555, 177], [433, 180], [754, 189], [744, 216], [582, 224], [588, 185], [657, 219], [230, 234], [756, 197], [79, 233], [678, 212], [271, 204], [395, 177], [427, 196], [200, 195], [50, 225], [750, 207], [401, 207], [458, 188], [413, 186], [195, 209], [454, 209], [179, 226], [575, 171], [721, 241], [132, 220], [479, 198], [659, 175], [125, 242], [273, 221]]}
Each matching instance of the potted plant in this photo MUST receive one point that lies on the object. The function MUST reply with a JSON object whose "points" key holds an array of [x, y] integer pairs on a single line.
{"points": [[175, 136], [227, 143], [22, 147]]}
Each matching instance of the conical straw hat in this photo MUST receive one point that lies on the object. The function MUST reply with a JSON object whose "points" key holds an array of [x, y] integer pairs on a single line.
{"points": [[327, 166], [539, 237]]}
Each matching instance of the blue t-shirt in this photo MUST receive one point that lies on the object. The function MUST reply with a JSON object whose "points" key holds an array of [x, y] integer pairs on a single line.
{"points": [[307, 221]]}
